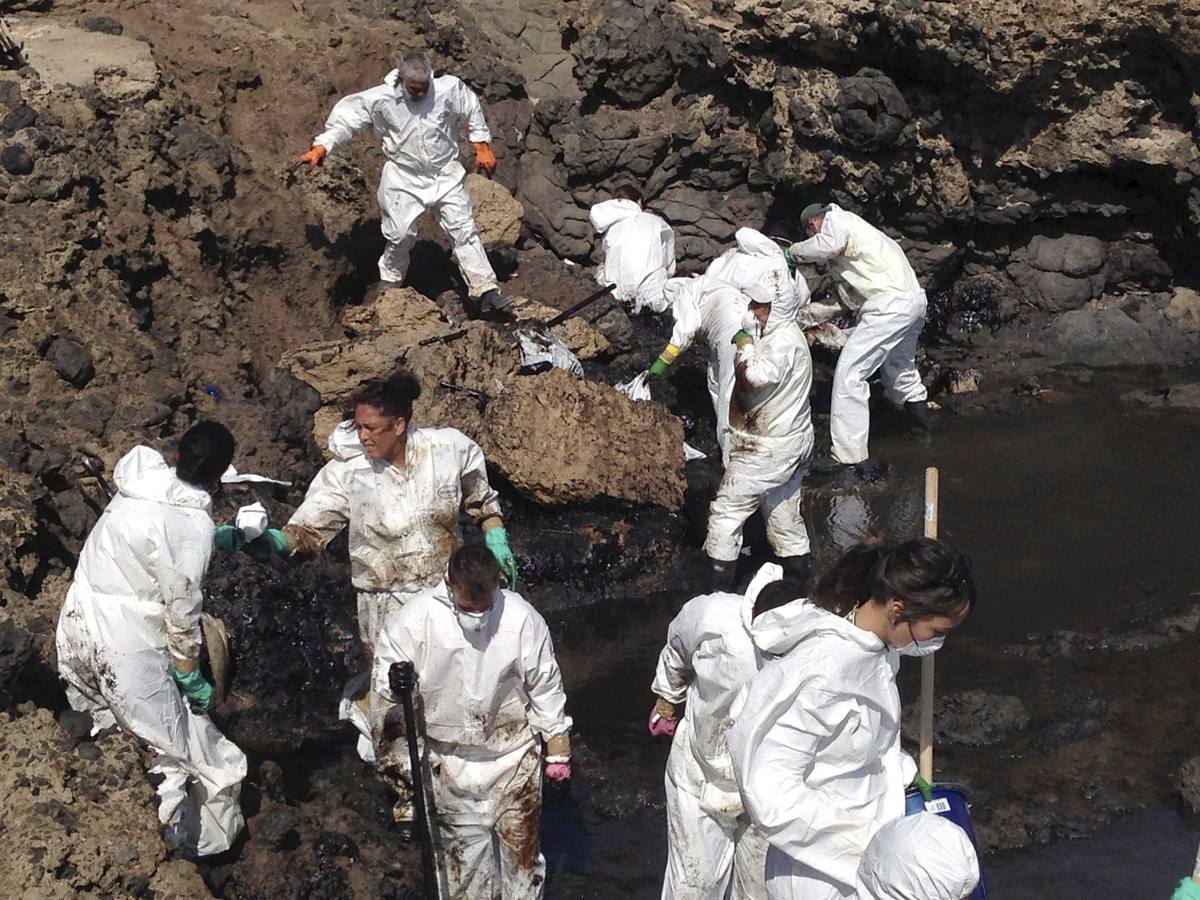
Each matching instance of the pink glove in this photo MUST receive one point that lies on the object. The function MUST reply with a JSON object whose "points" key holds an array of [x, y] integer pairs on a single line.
{"points": [[558, 771], [662, 725]]}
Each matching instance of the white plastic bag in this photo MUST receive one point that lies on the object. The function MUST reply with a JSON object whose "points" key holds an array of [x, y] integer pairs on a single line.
{"points": [[541, 350]]}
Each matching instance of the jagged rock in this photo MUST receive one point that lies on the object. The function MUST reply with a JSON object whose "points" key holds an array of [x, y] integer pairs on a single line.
{"points": [[123, 69], [871, 110], [971, 718], [71, 360], [497, 213], [78, 826], [1189, 783], [16, 160], [1184, 309]]}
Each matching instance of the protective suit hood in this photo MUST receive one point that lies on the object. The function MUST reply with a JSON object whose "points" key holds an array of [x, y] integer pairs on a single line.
{"points": [[767, 573], [608, 213], [344, 443], [143, 474], [922, 855], [755, 243], [803, 622]]}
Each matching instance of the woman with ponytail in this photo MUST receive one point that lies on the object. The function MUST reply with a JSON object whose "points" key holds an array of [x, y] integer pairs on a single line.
{"points": [[816, 741]]}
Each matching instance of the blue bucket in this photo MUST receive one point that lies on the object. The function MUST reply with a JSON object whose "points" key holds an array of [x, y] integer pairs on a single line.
{"points": [[950, 802]]}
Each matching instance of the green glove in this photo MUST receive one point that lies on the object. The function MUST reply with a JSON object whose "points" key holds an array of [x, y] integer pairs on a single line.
{"points": [[195, 687], [658, 368], [792, 262], [742, 335], [1188, 890], [228, 538], [496, 540], [277, 539], [924, 787]]}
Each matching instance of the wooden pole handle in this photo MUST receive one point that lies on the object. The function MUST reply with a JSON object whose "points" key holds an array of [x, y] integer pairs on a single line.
{"points": [[925, 762]]}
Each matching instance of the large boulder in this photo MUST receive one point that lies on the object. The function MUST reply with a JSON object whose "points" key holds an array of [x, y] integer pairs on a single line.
{"points": [[604, 444], [121, 68], [497, 213]]}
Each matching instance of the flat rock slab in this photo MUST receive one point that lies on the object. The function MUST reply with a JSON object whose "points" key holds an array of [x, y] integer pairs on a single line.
{"points": [[67, 56]]}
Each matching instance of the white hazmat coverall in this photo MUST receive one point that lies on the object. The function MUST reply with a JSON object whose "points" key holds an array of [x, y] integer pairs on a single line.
{"points": [[713, 310], [420, 139], [815, 746], [891, 313], [712, 852], [404, 524], [771, 441], [133, 610], [487, 696], [919, 857], [639, 253]]}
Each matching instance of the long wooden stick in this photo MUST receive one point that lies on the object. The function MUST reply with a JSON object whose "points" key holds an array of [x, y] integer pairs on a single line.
{"points": [[931, 531]]}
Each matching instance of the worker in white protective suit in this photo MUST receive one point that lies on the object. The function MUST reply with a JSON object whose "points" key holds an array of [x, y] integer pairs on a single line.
{"points": [[400, 490], [919, 857], [712, 307], [771, 435], [816, 735], [491, 693], [876, 283], [712, 852], [417, 116], [129, 636], [638, 248]]}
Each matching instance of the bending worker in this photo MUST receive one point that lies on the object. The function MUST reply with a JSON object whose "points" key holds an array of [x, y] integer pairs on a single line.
{"points": [[400, 489], [771, 435], [639, 250], [816, 735], [129, 634], [876, 280], [712, 852], [417, 117], [712, 306], [492, 694]]}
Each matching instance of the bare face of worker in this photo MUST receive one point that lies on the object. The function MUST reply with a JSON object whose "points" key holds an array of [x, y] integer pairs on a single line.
{"points": [[468, 602], [416, 88], [761, 312], [382, 436], [813, 225]]}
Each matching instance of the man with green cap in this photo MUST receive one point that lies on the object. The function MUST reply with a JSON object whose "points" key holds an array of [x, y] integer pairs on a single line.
{"points": [[876, 282]]}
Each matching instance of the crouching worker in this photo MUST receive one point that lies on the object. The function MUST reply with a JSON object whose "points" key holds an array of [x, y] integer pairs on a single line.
{"points": [[129, 634], [490, 693], [711, 652]]}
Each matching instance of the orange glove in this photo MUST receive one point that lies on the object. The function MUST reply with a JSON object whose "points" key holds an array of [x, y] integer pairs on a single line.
{"points": [[314, 157], [485, 159]]}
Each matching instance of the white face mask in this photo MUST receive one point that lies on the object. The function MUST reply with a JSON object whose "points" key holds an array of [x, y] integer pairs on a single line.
{"points": [[922, 648], [471, 622]]}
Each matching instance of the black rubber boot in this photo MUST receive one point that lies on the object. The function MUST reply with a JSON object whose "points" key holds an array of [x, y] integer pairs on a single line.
{"points": [[919, 422], [723, 573], [797, 568], [826, 465]]}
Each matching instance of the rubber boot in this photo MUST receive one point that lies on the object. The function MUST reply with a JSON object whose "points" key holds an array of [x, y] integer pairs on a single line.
{"points": [[797, 568], [919, 423], [723, 573]]}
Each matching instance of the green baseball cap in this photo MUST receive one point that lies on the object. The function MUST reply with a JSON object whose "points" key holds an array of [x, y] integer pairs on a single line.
{"points": [[812, 211]]}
